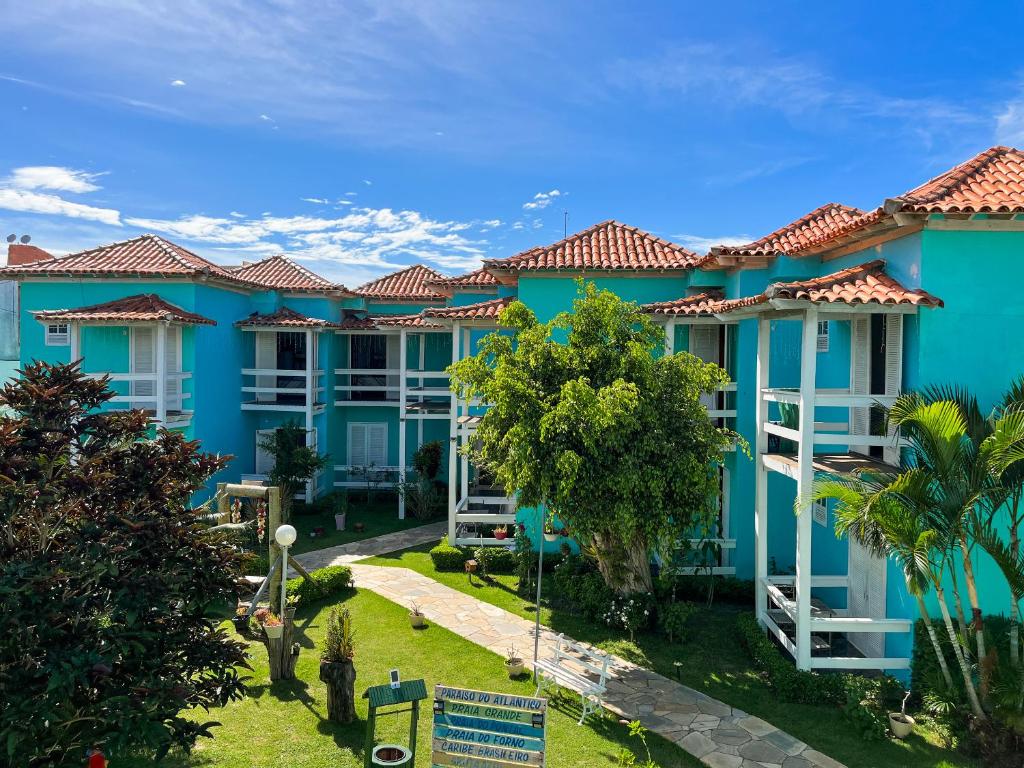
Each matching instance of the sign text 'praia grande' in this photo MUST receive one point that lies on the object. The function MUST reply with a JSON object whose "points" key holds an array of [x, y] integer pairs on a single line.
{"points": [[482, 729]]}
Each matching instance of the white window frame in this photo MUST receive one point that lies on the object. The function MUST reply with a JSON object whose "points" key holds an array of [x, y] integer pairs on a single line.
{"points": [[55, 337], [366, 425], [819, 513], [823, 335]]}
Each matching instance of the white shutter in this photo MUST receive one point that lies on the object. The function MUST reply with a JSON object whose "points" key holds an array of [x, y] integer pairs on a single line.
{"points": [[860, 375], [893, 371], [143, 360], [264, 459], [357, 445], [393, 361], [866, 597], [704, 343], [266, 357], [172, 361], [377, 444], [823, 335]]}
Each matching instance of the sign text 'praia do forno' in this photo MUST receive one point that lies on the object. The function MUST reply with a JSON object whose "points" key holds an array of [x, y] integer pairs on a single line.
{"points": [[479, 729]]}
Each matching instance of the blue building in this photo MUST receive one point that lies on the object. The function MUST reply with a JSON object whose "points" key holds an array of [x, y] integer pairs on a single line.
{"points": [[817, 323]]}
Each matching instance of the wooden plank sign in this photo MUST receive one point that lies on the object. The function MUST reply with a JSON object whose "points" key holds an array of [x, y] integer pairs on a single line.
{"points": [[481, 729]]}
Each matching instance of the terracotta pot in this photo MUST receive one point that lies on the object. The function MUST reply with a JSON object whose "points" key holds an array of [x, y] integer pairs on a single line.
{"points": [[515, 668], [359, 527], [417, 620], [901, 725], [500, 535]]}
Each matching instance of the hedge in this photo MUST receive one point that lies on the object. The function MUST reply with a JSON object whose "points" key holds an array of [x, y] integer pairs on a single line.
{"points": [[447, 557], [322, 583]]}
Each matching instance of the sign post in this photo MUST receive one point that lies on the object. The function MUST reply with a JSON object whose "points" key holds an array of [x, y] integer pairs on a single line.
{"points": [[479, 729]]}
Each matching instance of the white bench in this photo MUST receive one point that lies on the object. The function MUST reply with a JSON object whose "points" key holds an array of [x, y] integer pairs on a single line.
{"points": [[575, 667]]}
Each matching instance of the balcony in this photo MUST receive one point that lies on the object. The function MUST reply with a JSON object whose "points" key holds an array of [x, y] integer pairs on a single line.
{"points": [[425, 394], [282, 390], [165, 406]]}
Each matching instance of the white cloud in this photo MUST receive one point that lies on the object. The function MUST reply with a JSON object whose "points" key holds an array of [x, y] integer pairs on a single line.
{"points": [[367, 182], [317, 200], [351, 194], [266, 118], [344, 202], [519, 225], [177, 83], [237, 215], [37, 202], [702, 244], [1010, 123], [53, 177], [542, 200], [490, 224]]}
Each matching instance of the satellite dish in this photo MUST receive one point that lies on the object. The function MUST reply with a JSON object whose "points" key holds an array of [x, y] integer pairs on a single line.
{"points": [[11, 238], [26, 239]]}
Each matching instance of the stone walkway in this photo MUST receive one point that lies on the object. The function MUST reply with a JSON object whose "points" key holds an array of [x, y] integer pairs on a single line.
{"points": [[719, 735], [345, 554]]}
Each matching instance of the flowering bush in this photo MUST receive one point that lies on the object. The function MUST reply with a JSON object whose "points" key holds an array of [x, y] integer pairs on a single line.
{"points": [[630, 612]]}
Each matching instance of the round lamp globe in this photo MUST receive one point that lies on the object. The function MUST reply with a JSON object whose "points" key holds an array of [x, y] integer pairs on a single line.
{"points": [[285, 535]]}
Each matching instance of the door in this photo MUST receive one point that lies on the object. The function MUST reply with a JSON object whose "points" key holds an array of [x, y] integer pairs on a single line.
{"points": [[866, 596], [172, 365], [706, 343], [369, 352], [266, 358], [876, 368], [142, 352]]}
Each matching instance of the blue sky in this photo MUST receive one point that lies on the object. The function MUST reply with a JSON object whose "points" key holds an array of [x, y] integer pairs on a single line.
{"points": [[364, 136]]}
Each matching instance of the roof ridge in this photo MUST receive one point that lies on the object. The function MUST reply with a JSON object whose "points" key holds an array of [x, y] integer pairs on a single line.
{"points": [[955, 175], [842, 274]]}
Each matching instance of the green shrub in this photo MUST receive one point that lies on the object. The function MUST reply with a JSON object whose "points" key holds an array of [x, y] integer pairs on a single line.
{"points": [[632, 613], [321, 584], [255, 565], [500, 560], [726, 589], [627, 650], [672, 620], [581, 589], [448, 558]]}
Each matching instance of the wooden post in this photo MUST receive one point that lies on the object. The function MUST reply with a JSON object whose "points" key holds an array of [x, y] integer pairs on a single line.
{"points": [[670, 337], [412, 726], [273, 496], [74, 342], [764, 339], [805, 478], [223, 504]]}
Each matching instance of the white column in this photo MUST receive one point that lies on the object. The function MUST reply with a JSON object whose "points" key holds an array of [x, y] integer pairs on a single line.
{"points": [[310, 398], [423, 363], [764, 345], [453, 441], [464, 411], [73, 340], [160, 390], [805, 478], [402, 383], [670, 337]]}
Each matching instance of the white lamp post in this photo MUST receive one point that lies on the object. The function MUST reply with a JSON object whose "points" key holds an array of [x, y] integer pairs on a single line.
{"points": [[285, 536]]}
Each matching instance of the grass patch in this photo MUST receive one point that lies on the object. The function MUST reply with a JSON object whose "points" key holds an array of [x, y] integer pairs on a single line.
{"points": [[378, 518], [284, 723], [711, 659]]}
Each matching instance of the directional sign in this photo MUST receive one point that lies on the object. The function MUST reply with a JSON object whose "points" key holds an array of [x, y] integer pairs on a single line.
{"points": [[482, 729]]}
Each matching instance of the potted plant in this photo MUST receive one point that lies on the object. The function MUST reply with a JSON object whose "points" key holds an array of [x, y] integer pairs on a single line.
{"points": [[901, 724], [336, 667], [416, 618], [241, 620], [272, 625], [513, 663], [550, 532], [501, 532]]}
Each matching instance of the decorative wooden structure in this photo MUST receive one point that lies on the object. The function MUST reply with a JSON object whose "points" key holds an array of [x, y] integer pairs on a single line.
{"points": [[410, 692], [281, 651]]}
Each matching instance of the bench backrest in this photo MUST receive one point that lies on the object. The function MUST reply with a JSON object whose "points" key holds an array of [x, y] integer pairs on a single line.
{"points": [[593, 661]]}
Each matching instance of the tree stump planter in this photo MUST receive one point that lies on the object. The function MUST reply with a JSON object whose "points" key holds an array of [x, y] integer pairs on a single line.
{"points": [[340, 677], [279, 652]]}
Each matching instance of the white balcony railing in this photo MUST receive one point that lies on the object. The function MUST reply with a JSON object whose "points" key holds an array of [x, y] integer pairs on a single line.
{"points": [[833, 433], [281, 389], [148, 399], [369, 386]]}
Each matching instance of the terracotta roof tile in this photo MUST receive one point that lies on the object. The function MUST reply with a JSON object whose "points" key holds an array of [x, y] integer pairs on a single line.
{"points": [[373, 322], [990, 182], [484, 310], [865, 283], [700, 304], [146, 255], [284, 317], [478, 278], [141, 308], [605, 246], [281, 273], [405, 285], [820, 222]]}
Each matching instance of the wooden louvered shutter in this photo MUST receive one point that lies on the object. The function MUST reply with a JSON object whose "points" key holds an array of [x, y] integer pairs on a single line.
{"points": [[704, 343], [893, 371], [357, 445], [143, 360], [377, 444], [266, 357], [264, 459], [172, 362], [866, 596], [860, 376]]}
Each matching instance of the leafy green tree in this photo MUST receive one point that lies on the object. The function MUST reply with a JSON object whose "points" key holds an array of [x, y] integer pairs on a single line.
{"points": [[295, 463], [587, 418], [107, 578]]}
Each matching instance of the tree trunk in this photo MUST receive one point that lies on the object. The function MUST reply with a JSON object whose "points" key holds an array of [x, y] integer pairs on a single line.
{"points": [[946, 676], [340, 677], [972, 594], [1014, 601], [958, 606], [279, 652], [625, 566], [972, 693]]}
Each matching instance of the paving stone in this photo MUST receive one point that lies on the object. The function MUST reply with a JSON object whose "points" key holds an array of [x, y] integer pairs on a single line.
{"points": [[735, 736], [796, 762], [763, 752], [755, 726], [785, 742], [818, 759], [697, 744], [722, 760]]}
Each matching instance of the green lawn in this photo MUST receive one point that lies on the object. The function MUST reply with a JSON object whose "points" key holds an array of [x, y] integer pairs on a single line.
{"points": [[284, 723], [378, 517], [712, 660]]}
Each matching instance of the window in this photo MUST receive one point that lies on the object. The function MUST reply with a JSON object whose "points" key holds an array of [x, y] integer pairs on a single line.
{"points": [[823, 335], [819, 513], [57, 335], [368, 444]]}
